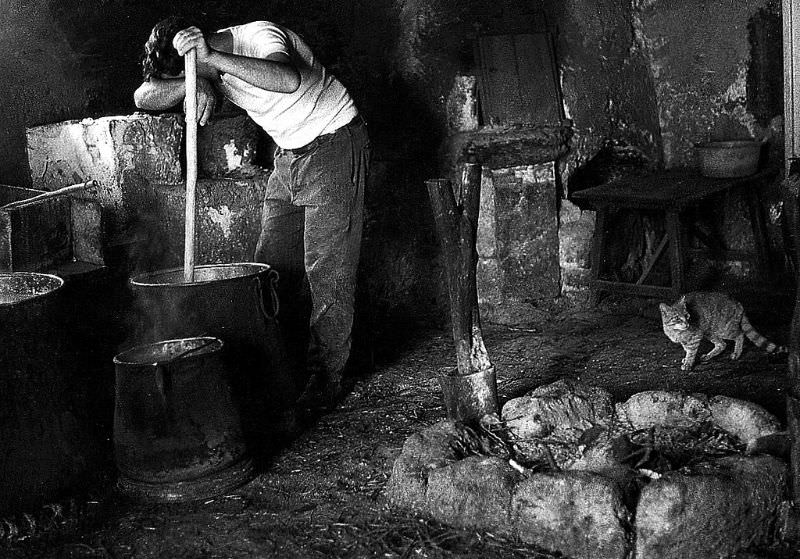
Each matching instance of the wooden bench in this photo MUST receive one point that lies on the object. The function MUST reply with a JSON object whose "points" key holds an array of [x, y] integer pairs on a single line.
{"points": [[671, 193]]}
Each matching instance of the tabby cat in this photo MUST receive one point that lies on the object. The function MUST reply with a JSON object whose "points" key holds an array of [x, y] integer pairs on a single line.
{"points": [[714, 316]]}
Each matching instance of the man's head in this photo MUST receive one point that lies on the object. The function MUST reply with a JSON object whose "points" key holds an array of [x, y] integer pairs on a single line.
{"points": [[160, 57]]}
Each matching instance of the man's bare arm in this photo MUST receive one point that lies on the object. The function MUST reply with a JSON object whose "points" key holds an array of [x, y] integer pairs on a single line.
{"points": [[276, 73], [159, 94]]}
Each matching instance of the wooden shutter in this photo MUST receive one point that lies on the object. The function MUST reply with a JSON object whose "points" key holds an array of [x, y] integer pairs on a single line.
{"points": [[517, 80]]}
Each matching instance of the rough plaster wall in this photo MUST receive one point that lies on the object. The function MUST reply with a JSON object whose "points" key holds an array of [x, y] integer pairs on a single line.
{"points": [[700, 58], [605, 78]]}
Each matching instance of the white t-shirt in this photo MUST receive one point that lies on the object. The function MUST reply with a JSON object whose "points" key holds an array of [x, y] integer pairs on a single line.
{"points": [[319, 106]]}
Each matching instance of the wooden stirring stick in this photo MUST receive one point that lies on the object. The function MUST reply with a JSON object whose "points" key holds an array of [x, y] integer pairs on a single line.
{"points": [[191, 164]]}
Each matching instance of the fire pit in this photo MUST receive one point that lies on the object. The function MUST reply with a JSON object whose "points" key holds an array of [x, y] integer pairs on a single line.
{"points": [[663, 474]]}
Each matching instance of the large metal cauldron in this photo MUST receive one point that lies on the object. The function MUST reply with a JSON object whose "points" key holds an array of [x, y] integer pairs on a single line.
{"points": [[177, 433], [238, 304], [47, 452]]}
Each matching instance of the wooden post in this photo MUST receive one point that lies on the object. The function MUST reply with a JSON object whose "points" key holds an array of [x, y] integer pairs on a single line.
{"points": [[790, 529], [790, 192], [471, 392]]}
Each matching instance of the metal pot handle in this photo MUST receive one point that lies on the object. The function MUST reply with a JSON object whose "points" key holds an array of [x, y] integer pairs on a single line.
{"points": [[163, 381], [272, 278]]}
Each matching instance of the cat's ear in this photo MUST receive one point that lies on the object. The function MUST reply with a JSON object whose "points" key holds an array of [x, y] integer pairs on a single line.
{"points": [[664, 309]]}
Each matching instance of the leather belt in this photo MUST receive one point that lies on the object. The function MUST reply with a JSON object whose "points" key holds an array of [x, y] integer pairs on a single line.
{"points": [[356, 121]]}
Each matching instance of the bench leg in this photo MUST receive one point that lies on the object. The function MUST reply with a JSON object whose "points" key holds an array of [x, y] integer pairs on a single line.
{"points": [[676, 251], [598, 251], [760, 238]]}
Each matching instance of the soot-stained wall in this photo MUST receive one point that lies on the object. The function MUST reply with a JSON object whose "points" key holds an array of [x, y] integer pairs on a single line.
{"points": [[628, 73], [717, 68], [605, 77]]}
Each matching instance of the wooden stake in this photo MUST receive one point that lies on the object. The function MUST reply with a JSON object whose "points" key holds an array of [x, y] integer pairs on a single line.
{"points": [[473, 391], [191, 164], [456, 217]]}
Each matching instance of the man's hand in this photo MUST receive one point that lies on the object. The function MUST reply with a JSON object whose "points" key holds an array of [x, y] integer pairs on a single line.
{"points": [[206, 101], [192, 38]]}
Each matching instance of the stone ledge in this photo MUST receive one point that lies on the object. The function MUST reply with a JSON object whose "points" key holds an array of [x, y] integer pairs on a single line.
{"points": [[500, 147]]}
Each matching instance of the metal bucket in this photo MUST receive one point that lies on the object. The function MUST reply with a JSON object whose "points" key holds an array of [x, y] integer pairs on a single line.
{"points": [[177, 432], [238, 304], [47, 451]]}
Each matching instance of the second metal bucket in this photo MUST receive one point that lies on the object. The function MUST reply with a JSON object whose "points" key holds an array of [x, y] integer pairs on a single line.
{"points": [[177, 431], [238, 304]]}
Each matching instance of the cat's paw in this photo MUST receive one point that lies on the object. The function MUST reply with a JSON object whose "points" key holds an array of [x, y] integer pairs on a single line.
{"points": [[686, 366]]}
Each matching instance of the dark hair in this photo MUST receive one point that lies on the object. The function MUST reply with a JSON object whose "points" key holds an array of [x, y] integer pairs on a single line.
{"points": [[160, 57]]}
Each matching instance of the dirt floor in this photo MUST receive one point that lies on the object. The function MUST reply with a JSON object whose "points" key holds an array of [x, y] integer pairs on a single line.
{"points": [[321, 496]]}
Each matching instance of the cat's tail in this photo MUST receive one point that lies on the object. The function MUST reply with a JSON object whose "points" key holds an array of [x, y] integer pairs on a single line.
{"points": [[760, 340]]}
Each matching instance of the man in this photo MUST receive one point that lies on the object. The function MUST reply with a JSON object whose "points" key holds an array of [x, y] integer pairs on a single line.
{"points": [[313, 207]]}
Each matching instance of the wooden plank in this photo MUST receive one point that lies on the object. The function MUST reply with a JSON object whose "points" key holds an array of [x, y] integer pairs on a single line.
{"points": [[652, 262], [499, 80], [663, 191], [539, 100], [517, 80], [675, 251]]}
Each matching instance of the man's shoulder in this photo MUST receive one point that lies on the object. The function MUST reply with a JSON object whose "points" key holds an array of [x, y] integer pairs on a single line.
{"points": [[254, 26]]}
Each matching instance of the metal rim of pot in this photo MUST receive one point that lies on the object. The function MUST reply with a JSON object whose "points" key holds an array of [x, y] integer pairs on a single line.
{"points": [[214, 343], [146, 280], [58, 283]]}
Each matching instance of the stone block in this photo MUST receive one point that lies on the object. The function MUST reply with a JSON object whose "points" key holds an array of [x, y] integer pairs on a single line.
{"points": [[526, 231], [226, 145], [486, 234], [517, 241], [674, 517], [227, 223], [422, 452], [747, 421], [87, 231], [123, 153], [473, 493], [662, 408], [562, 408], [488, 278], [574, 280], [33, 238], [462, 104], [577, 514], [575, 235]]}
